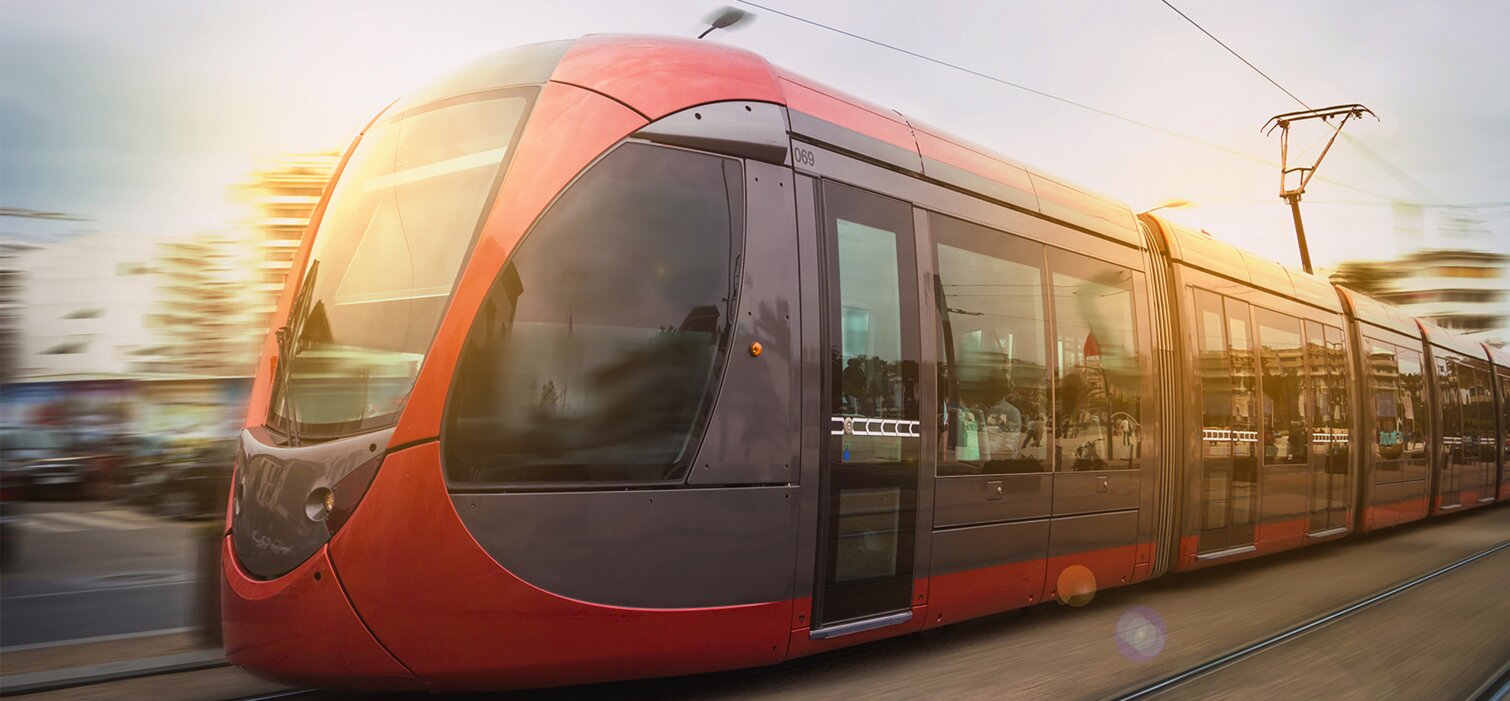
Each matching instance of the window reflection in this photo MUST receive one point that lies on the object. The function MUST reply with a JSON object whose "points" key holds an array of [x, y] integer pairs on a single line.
{"points": [[1286, 433], [1415, 419], [993, 374], [1229, 435], [1450, 392], [594, 356], [870, 380], [1099, 379], [394, 234]]}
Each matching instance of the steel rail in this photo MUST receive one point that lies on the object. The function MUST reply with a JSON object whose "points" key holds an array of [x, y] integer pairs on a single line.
{"points": [[1174, 680]]}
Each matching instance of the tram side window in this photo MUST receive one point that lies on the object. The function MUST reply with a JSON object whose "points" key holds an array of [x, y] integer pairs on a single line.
{"points": [[1099, 374], [993, 359], [595, 355], [1415, 421], [1282, 361]]}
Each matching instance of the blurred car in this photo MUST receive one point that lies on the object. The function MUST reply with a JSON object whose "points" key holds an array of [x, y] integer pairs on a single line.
{"points": [[45, 461], [10, 533], [139, 477], [196, 484]]}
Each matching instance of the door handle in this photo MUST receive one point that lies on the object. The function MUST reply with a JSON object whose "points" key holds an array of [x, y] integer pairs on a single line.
{"points": [[1103, 485]]}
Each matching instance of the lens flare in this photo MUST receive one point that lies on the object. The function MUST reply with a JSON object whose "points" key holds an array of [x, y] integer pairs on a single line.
{"points": [[1076, 585], [1140, 634]]}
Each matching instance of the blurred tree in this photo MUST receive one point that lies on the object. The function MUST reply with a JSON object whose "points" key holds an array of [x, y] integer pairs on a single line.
{"points": [[1372, 278]]}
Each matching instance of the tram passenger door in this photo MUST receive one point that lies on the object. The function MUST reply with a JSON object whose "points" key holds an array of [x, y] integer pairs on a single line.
{"points": [[1450, 456], [1228, 487], [868, 509], [1330, 461]]}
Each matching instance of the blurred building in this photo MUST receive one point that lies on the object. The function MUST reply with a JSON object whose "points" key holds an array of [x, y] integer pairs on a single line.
{"points": [[201, 317], [283, 196], [83, 306], [1463, 290], [82, 310], [12, 280]]}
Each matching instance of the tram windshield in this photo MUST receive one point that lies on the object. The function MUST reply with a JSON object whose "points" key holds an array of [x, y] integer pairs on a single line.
{"points": [[384, 260]]}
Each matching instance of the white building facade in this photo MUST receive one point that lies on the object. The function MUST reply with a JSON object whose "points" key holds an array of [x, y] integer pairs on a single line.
{"points": [[84, 306], [1463, 290]]}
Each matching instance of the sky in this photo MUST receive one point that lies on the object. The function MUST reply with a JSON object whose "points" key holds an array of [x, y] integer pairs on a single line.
{"points": [[137, 115]]}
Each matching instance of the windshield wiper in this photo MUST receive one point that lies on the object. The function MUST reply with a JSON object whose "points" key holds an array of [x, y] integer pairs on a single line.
{"points": [[288, 347]]}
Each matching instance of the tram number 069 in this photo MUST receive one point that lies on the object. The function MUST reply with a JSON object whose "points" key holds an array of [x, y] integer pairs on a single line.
{"points": [[803, 157]]}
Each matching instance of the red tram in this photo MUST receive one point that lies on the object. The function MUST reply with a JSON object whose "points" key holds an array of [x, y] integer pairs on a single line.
{"points": [[627, 357]]}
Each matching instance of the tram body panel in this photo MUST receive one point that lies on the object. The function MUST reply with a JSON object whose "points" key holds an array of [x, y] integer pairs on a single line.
{"points": [[1466, 451], [1396, 425], [302, 629], [444, 606], [656, 75], [1268, 466]]}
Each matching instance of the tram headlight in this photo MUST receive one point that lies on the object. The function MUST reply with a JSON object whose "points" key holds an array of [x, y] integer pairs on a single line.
{"points": [[320, 502]]}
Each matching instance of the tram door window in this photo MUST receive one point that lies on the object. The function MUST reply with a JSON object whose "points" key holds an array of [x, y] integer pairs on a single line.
{"points": [[1285, 430], [871, 468], [1415, 417], [993, 358], [1244, 424], [1098, 374], [1328, 453], [1479, 420], [1338, 423], [1504, 426], [1229, 469], [1450, 460], [1391, 410], [1216, 421]]}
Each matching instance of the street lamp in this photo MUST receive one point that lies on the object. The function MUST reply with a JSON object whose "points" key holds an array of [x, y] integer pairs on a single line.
{"points": [[1172, 204], [726, 17]]}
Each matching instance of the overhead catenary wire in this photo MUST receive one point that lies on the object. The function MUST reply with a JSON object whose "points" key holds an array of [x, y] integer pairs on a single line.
{"points": [[1045, 94], [1239, 56], [1416, 188]]}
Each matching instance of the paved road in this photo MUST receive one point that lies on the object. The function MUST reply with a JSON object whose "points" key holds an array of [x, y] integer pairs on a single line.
{"points": [[90, 569]]}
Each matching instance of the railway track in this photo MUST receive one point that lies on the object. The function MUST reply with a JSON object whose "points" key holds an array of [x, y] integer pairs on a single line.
{"points": [[1496, 689]]}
